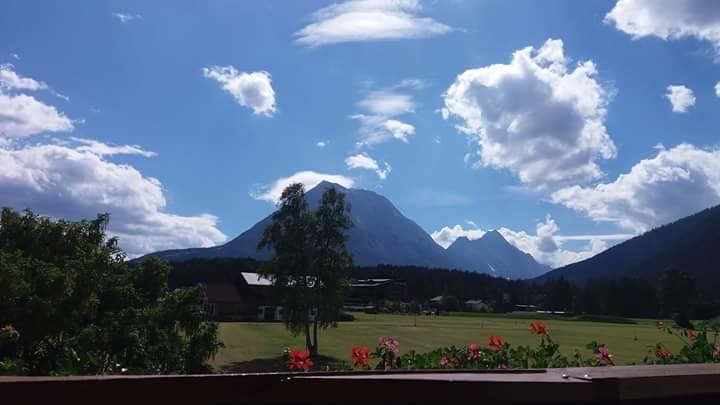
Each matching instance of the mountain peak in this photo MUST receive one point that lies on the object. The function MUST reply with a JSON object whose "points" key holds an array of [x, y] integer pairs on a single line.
{"points": [[493, 236], [327, 184]]}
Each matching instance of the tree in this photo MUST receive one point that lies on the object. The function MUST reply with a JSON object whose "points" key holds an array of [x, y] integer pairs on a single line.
{"points": [[71, 304], [677, 290], [310, 265]]}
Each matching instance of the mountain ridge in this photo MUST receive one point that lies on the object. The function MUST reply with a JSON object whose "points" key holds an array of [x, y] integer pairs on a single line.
{"points": [[381, 234]]}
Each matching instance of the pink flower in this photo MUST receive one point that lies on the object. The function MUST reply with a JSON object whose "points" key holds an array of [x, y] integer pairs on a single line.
{"points": [[475, 352], [716, 353], [603, 356], [390, 344], [658, 324], [444, 362], [690, 335]]}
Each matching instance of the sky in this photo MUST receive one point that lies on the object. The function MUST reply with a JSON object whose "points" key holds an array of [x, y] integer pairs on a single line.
{"points": [[569, 126]]}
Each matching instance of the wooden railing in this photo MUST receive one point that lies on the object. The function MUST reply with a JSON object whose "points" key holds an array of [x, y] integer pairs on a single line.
{"points": [[626, 384]]}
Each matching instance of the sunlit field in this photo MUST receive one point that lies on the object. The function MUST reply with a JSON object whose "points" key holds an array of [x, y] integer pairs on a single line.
{"points": [[258, 346]]}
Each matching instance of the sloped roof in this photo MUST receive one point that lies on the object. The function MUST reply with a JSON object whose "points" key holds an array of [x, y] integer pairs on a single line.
{"points": [[256, 279]]}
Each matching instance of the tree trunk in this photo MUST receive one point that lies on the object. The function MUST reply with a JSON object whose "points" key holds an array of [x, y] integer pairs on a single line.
{"points": [[308, 342], [315, 337]]}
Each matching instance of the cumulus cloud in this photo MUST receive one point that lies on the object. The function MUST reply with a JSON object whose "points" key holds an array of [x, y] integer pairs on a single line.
{"points": [[23, 115], [381, 108], [126, 18], [73, 178], [546, 246], [321, 144], [10, 80], [681, 98], [717, 89], [74, 182], [537, 116], [272, 192], [675, 183], [668, 19], [368, 20], [253, 90], [363, 161]]}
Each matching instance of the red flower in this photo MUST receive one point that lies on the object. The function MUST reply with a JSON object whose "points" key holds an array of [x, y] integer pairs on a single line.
{"points": [[690, 335], [496, 342], [361, 356], [658, 324], [300, 360], [539, 328], [475, 352], [661, 353]]}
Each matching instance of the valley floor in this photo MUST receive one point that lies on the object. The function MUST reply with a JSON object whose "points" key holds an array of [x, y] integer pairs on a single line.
{"points": [[259, 346]]}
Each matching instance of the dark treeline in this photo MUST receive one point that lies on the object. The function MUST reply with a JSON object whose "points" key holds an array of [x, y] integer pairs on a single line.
{"points": [[625, 297]]}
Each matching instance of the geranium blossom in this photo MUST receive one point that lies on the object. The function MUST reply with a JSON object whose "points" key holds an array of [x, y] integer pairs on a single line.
{"points": [[390, 344], [661, 353], [475, 352], [444, 362], [604, 357], [539, 328], [361, 356], [690, 335], [658, 324], [496, 342], [300, 360]]}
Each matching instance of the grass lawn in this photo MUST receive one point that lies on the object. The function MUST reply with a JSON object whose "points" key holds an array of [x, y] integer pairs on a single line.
{"points": [[258, 346]]}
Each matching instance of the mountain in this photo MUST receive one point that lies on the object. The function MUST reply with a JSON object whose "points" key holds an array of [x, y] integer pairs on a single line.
{"points": [[383, 235], [494, 255], [690, 244]]}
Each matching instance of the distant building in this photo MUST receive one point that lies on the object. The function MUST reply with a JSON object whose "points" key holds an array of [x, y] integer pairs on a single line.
{"points": [[248, 299], [476, 306], [370, 294]]}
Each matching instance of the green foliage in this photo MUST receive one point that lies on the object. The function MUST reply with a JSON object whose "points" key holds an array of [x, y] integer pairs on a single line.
{"points": [[698, 346], [310, 265], [70, 304], [677, 291]]}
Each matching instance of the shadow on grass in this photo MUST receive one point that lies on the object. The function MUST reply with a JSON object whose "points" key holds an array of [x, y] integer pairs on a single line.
{"points": [[274, 364]]}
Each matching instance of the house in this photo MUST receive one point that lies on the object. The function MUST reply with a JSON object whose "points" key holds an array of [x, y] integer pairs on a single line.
{"points": [[250, 298], [371, 294], [222, 301], [476, 305]]}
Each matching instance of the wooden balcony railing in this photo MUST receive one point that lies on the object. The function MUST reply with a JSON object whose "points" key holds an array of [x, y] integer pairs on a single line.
{"points": [[623, 384]]}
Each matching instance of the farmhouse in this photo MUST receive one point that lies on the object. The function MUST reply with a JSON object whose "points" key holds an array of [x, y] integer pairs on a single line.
{"points": [[248, 299], [371, 293]]}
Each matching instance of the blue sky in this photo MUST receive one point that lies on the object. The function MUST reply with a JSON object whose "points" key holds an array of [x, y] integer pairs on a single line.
{"points": [[179, 117]]}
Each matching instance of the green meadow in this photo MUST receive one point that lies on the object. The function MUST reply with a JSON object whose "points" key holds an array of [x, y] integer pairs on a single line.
{"points": [[255, 346]]}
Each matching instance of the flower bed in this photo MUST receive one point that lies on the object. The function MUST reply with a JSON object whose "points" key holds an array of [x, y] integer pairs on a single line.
{"points": [[699, 346]]}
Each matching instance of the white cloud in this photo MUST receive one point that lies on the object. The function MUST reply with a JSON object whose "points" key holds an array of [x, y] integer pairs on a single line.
{"points": [[546, 246], [253, 90], [668, 19], [675, 183], [102, 149], [717, 89], [23, 115], [64, 181], [272, 192], [126, 18], [10, 80], [680, 97], [448, 234], [321, 144], [380, 111], [15, 56], [368, 20], [387, 103], [537, 117], [364, 161]]}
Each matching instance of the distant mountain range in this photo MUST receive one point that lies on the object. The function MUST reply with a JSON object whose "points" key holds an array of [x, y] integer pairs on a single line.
{"points": [[383, 235], [691, 244], [493, 251]]}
